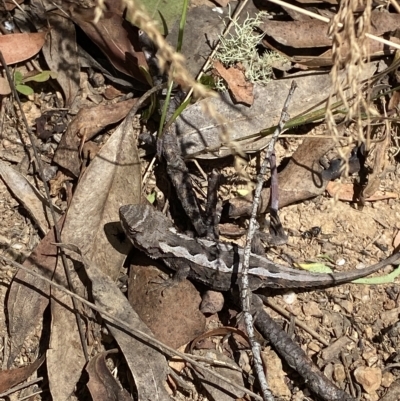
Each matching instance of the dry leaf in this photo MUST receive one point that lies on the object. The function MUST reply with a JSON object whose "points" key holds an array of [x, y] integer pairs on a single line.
{"points": [[161, 310], [32, 200], [148, 366], [345, 192], [85, 125], [112, 179], [18, 47], [196, 132], [28, 295], [240, 89], [4, 87], [102, 384], [10, 378], [313, 33], [116, 38], [61, 54]]}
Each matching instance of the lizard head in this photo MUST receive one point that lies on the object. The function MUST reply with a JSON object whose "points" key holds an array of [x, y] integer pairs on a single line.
{"points": [[134, 217]]}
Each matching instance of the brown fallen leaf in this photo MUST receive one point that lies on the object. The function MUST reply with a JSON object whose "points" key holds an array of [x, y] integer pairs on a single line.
{"points": [[325, 59], [18, 47], [301, 179], [314, 33], [102, 384], [28, 295], [61, 54], [240, 89], [85, 125], [112, 179], [10, 5], [345, 192], [10, 378], [160, 309], [30, 198], [115, 37], [148, 366], [4, 87]]}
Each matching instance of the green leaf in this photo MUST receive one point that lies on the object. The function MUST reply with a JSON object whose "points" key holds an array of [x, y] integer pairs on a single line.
{"points": [[24, 89], [151, 197], [315, 267], [18, 77], [165, 12], [242, 192], [41, 77], [388, 278]]}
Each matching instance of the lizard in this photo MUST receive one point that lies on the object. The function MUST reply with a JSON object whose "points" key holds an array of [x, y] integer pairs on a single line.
{"points": [[218, 264]]}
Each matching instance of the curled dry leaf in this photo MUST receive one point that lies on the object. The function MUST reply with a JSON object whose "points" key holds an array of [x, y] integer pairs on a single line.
{"points": [[102, 384], [116, 38], [112, 179], [18, 47], [85, 125], [10, 378], [28, 196]]}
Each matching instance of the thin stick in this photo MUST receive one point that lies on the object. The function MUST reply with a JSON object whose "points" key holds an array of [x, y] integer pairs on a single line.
{"points": [[245, 290], [297, 322], [327, 20], [130, 329], [395, 5], [20, 387]]}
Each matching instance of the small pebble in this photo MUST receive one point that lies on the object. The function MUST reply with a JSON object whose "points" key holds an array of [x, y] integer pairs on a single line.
{"points": [[369, 378], [338, 373], [312, 309], [340, 262], [290, 297]]}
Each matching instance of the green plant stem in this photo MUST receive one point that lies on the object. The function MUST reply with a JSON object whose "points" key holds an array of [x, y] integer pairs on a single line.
{"points": [[182, 24]]}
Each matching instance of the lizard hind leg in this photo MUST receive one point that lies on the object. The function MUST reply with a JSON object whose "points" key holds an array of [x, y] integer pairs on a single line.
{"points": [[166, 282]]}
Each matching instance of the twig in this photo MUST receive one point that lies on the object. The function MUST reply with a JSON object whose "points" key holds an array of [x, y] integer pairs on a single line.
{"points": [[212, 219], [245, 291], [395, 5], [297, 322], [298, 360], [128, 328]]}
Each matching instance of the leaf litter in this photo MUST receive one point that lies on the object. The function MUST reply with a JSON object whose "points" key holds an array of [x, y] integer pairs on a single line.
{"points": [[113, 178]]}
